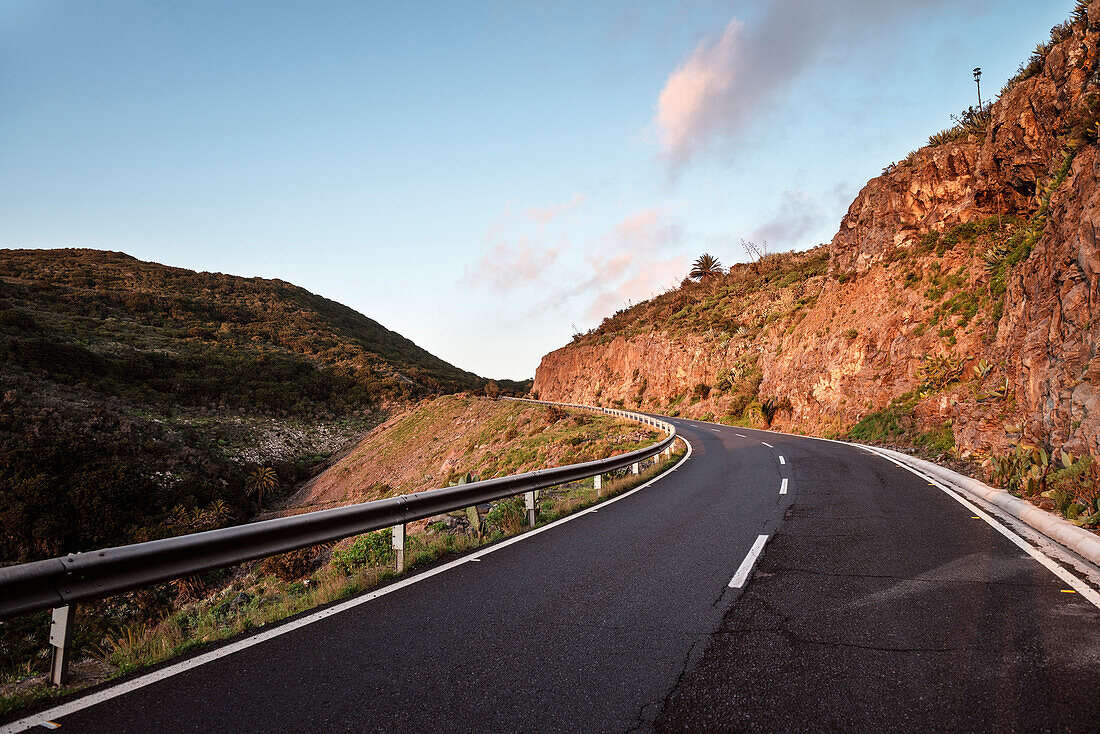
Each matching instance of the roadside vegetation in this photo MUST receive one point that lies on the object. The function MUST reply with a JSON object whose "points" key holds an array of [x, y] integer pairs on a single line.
{"points": [[455, 436], [143, 627]]}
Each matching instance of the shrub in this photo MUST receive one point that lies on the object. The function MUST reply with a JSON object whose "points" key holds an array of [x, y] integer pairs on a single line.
{"points": [[506, 515], [369, 549], [1084, 121], [724, 380], [701, 391], [293, 565], [770, 407], [555, 414], [737, 406]]}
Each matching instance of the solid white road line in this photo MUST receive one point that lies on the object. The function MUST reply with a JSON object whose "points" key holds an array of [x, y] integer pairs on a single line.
{"points": [[783, 487], [83, 702], [1078, 585], [782, 460], [745, 569], [767, 444]]}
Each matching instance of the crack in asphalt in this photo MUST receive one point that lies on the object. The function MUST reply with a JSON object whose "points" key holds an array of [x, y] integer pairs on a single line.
{"points": [[826, 643], [641, 719], [979, 582]]}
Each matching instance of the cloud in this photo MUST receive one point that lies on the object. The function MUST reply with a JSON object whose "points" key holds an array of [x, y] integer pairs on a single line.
{"points": [[728, 82], [643, 231], [643, 279], [798, 216], [507, 266], [547, 214], [511, 260], [635, 258], [638, 258], [696, 101]]}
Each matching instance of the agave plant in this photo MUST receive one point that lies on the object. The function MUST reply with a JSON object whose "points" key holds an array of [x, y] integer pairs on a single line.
{"points": [[982, 370], [994, 256], [771, 406], [946, 136], [705, 266], [1002, 391], [1023, 470], [936, 372]]}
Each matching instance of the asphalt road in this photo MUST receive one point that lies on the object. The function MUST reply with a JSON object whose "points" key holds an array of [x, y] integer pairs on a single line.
{"points": [[879, 604]]}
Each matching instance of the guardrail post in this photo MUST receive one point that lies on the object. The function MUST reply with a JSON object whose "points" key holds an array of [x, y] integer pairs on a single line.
{"points": [[529, 505], [399, 547], [61, 637]]}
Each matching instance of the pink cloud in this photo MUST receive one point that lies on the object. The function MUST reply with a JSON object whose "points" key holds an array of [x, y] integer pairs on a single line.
{"points": [[647, 278], [644, 231], [695, 101], [507, 266], [632, 262], [546, 214], [731, 80]]}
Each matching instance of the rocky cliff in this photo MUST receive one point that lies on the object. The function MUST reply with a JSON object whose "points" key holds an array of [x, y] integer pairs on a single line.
{"points": [[962, 284]]}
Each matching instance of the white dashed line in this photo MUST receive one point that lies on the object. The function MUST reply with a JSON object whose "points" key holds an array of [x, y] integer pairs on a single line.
{"points": [[783, 487], [782, 460], [740, 435], [745, 569], [767, 444]]}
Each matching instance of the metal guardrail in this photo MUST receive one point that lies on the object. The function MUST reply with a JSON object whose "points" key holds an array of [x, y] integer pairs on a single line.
{"points": [[60, 583]]}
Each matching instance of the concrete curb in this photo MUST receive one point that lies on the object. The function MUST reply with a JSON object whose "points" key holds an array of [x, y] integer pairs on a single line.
{"points": [[1078, 540]]}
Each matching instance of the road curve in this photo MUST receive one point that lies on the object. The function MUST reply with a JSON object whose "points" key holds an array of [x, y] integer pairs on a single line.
{"points": [[877, 602]]}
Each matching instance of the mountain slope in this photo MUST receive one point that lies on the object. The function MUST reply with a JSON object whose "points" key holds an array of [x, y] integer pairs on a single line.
{"points": [[127, 326], [136, 399], [957, 303]]}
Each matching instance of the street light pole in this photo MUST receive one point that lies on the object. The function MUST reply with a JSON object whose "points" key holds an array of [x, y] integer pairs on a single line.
{"points": [[978, 81]]}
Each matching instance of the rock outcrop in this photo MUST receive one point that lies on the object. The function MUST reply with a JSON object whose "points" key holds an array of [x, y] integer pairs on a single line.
{"points": [[981, 250]]}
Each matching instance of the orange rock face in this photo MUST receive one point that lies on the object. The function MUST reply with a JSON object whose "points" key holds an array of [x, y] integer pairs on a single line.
{"points": [[844, 342]]}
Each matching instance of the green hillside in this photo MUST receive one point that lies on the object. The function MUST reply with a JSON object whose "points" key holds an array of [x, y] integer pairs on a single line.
{"points": [[136, 399]]}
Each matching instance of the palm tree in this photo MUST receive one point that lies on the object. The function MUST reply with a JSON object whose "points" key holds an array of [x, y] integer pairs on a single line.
{"points": [[262, 480], [706, 266]]}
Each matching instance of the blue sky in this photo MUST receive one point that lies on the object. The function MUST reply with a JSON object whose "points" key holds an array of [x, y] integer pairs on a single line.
{"points": [[482, 178]]}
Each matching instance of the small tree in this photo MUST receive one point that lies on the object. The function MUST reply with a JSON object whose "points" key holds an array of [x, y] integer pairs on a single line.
{"points": [[706, 266], [263, 480], [492, 389]]}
